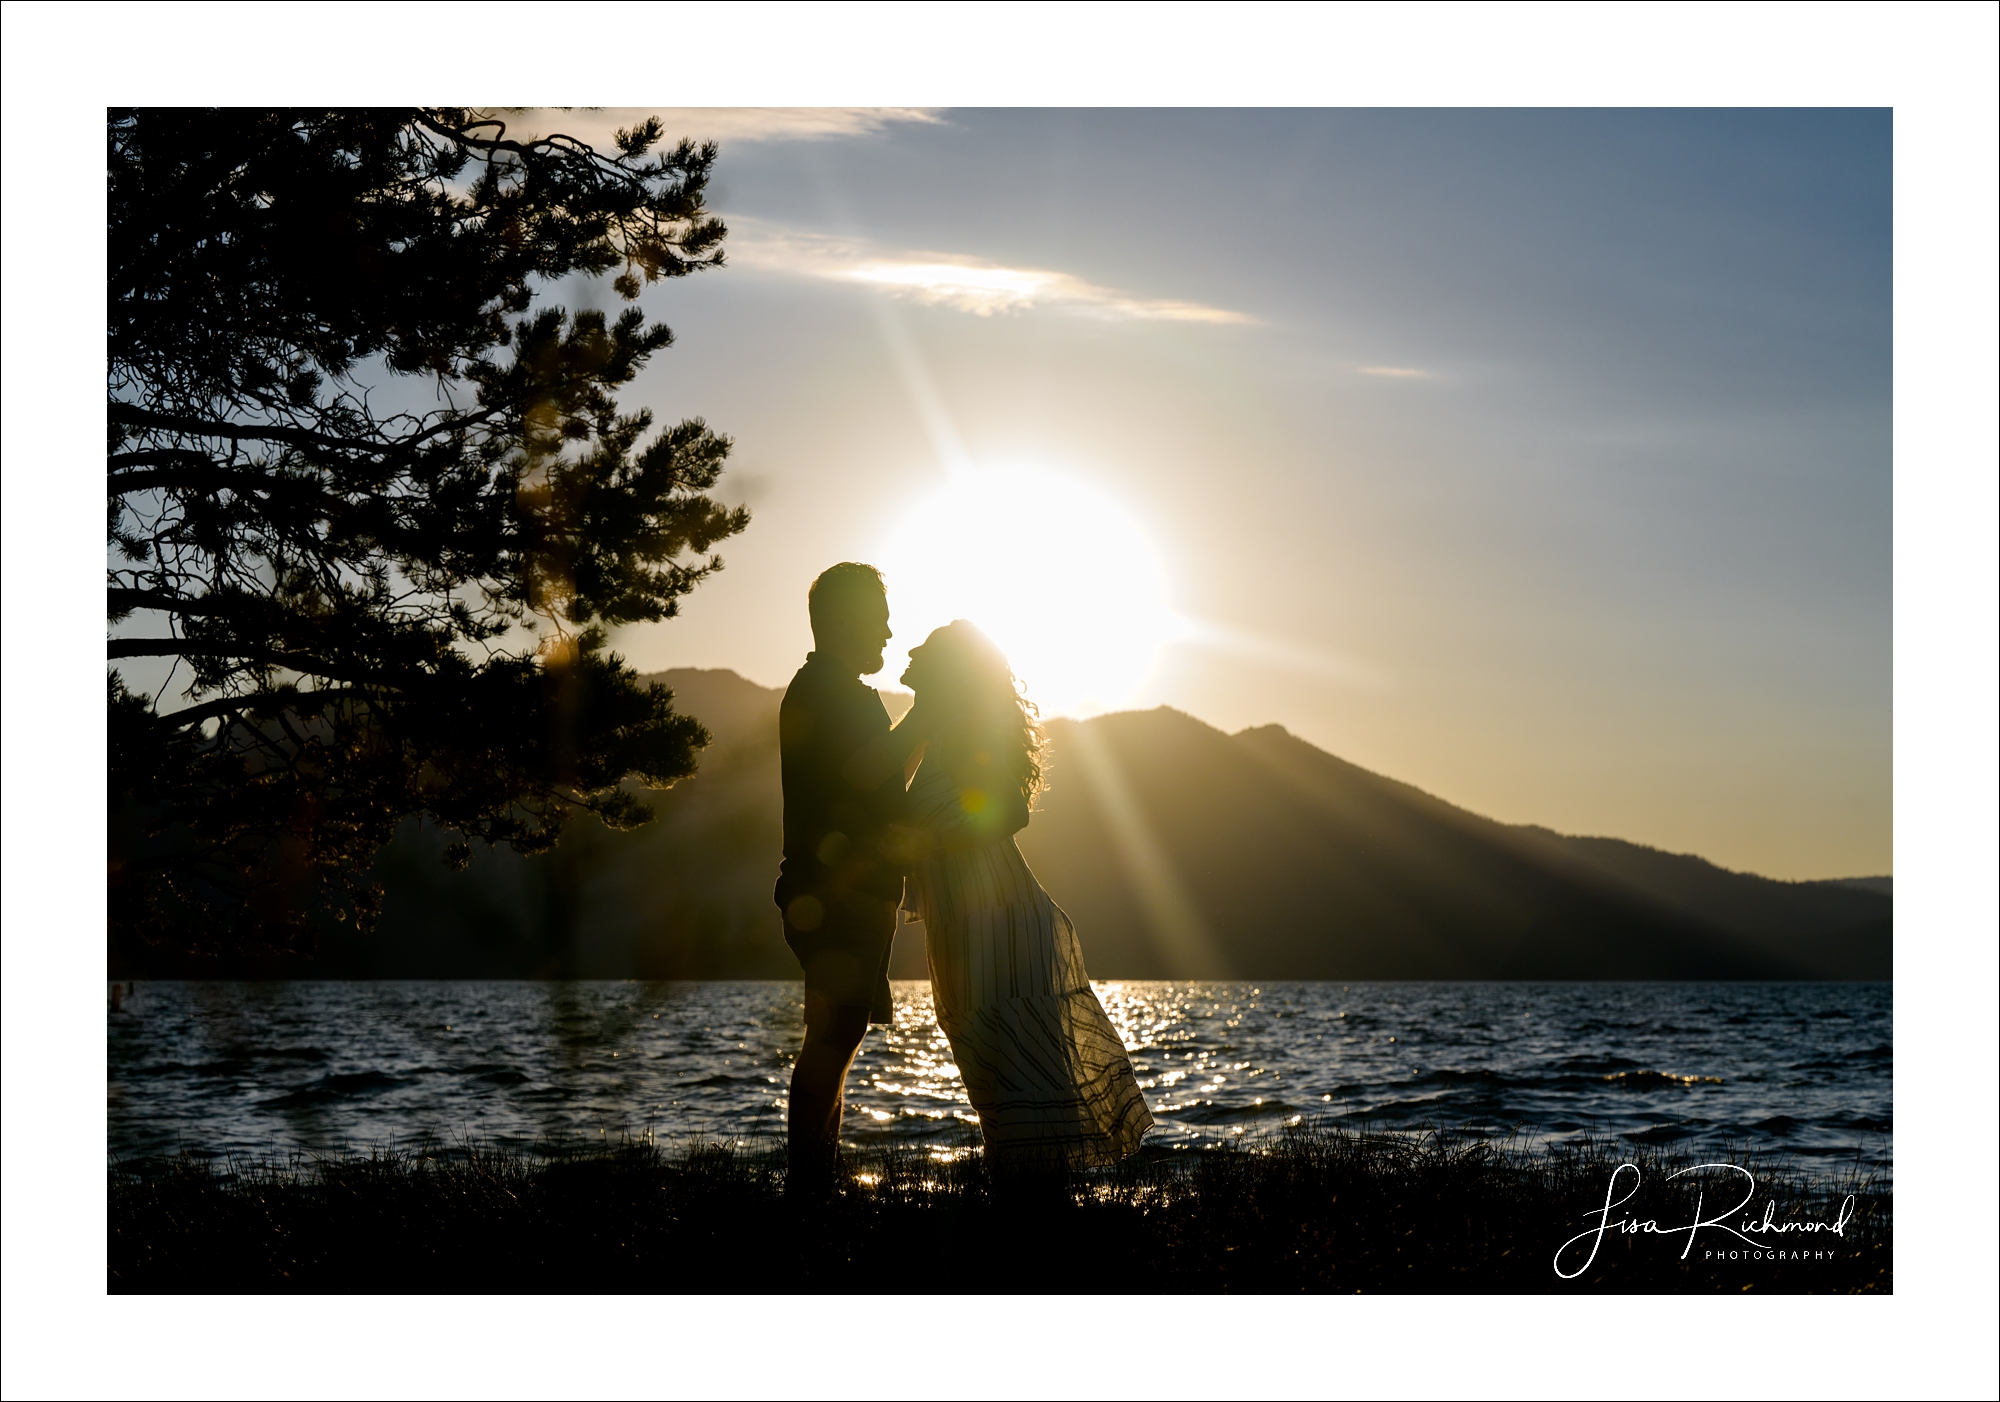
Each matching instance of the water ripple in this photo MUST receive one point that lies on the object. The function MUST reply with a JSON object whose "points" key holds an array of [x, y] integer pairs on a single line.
{"points": [[258, 1067]]}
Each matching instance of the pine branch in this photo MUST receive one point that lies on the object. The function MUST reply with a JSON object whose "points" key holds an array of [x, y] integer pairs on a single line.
{"points": [[305, 664]]}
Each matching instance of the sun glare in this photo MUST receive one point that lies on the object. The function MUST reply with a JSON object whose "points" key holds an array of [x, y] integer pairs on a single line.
{"points": [[1057, 573]]}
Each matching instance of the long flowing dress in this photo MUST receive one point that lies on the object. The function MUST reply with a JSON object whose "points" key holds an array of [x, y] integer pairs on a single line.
{"points": [[1041, 1062]]}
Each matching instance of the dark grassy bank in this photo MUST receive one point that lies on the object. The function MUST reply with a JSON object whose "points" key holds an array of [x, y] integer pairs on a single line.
{"points": [[1317, 1210]]}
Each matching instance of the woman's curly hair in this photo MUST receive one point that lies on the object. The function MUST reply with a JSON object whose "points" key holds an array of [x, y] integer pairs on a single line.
{"points": [[988, 719]]}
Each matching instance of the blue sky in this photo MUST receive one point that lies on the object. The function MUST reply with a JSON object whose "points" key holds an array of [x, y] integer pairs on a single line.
{"points": [[1541, 459]]}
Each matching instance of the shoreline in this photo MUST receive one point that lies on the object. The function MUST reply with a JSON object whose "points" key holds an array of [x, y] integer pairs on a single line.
{"points": [[1318, 1209]]}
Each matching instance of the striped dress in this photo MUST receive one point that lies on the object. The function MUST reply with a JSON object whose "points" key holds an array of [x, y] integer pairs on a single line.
{"points": [[1041, 1062]]}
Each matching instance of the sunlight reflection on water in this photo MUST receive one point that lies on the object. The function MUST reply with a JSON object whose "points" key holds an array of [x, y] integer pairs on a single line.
{"points": [[258, 1067]]}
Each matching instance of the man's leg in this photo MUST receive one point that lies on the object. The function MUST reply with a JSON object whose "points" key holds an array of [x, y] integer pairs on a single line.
{"points": [[819, 1079]]}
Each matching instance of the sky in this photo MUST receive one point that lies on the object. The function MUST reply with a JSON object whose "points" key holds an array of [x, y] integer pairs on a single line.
{"points": [[1538, 459]]}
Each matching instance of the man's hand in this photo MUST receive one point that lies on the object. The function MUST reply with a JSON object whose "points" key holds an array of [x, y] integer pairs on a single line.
{"points": [[985, 814]]}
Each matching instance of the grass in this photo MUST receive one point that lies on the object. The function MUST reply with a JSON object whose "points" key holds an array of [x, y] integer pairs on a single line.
{"points": [[1320, 1209]]}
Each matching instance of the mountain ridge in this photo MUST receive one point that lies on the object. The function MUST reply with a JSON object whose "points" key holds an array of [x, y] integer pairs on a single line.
{"points": [[1401, 883], [1180, 851]]}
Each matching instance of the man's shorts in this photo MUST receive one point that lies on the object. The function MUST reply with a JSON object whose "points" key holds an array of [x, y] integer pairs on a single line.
{"points": [[843, 943]]}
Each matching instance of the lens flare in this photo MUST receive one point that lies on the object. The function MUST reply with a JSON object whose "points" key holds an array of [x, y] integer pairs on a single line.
{"points": [[1055, 571]]}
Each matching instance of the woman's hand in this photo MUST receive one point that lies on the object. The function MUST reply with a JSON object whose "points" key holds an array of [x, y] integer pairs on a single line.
{"points": [[919, 723], [888, 754]]}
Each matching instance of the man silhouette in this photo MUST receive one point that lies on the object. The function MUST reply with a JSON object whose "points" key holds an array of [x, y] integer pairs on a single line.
{"points": [[842, 876]]}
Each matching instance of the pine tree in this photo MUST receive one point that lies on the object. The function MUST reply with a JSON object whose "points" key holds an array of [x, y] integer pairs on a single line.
{"points": [[374, 502]]}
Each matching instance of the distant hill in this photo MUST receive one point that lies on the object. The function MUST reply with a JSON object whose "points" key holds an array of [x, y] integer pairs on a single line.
{"points": [[1294, 863], [1879, 884], [1181, 852]]}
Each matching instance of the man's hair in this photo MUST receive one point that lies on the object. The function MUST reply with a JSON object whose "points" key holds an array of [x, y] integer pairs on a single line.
{"points": [[839, 590]]}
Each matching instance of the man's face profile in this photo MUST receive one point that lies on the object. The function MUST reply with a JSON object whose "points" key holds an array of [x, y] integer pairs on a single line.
{"points": [[863, 633], [874, 635]]}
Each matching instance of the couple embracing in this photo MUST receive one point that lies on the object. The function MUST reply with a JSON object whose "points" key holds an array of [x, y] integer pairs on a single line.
{"points": [[922, 815]]}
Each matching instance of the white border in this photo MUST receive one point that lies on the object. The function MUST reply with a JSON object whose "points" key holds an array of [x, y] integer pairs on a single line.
{"points": [[1934, 63]]}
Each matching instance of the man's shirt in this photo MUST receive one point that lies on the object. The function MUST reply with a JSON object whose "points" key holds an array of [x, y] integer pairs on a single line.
{"points": [[836, 838]]}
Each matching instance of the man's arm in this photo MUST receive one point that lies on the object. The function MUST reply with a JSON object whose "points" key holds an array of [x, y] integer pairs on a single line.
{"points": [[981, 816], [979, 804]]}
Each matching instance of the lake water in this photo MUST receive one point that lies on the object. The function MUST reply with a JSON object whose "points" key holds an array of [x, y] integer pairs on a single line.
{"points": [[257, 1068]]}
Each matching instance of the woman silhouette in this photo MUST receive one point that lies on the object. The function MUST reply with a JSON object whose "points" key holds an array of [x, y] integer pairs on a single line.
{"points": [[1041, 1062]]}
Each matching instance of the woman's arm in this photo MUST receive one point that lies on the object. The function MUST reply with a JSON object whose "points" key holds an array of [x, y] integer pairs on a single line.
{"points": [[875, 761]]}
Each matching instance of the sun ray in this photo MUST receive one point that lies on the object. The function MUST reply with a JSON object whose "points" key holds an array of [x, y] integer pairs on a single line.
{"points": [[1321, 662], [1176, 922], [924, 398]]}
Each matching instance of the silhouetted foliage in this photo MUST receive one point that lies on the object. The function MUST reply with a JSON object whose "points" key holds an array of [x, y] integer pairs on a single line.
{"points": [[378, 505]]}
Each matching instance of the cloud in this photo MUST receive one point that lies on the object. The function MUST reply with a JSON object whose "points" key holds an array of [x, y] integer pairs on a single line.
{"points": [[724, 124], [950, 280], [1394, 372]]}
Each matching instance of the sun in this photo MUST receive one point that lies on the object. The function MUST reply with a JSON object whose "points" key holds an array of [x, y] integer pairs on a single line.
{"points": [[1056, 572]]}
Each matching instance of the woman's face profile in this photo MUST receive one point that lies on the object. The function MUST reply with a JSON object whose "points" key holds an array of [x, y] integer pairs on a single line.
{"points": [[914, 675], [922, 669]]}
